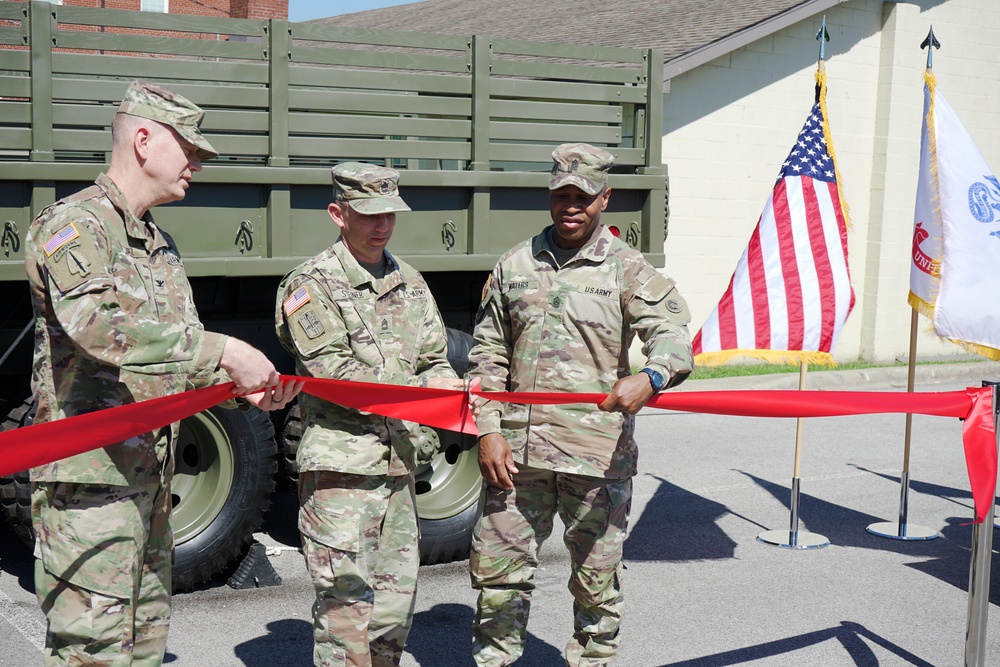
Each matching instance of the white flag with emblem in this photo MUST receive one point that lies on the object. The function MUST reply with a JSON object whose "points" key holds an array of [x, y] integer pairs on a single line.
{"points": [[956, 240]]}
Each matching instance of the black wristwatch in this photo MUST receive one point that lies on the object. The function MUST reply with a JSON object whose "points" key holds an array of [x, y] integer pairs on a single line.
{"points": [[655, 379]]}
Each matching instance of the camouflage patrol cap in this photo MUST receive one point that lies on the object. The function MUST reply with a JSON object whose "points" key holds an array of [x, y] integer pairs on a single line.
{"points": [[582, 165], [147, 100], [368, 188]]}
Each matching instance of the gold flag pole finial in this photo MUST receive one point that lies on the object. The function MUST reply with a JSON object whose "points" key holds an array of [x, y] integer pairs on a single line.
{"points": [[930, 43]]}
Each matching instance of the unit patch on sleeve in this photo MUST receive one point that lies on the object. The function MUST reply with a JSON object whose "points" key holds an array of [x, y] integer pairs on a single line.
{"points": [[71, 259], [311, 324], [311, 329]]}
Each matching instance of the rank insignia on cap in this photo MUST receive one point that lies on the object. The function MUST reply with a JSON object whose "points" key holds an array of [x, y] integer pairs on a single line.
{"points": [[385, 187], [296, 301], [61, 238]]}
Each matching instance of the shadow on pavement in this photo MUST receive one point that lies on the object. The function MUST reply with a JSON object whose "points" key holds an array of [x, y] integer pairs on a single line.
{"points": [[678, 525], [850, 635], [926, 488], [442, 635], [287, 642], [954, 568], [846, 527]]}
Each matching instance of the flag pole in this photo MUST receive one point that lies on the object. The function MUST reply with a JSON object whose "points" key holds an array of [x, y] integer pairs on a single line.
{"points": [[979, 569], [793, 538], [902, 529]]}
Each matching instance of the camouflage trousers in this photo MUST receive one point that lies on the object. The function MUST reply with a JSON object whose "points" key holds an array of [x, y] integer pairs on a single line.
{"points": [[102, 572], [359, 537], [511, 528]]}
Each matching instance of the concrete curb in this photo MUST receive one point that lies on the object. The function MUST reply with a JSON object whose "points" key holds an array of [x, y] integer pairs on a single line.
{"points": [[970, 373]]}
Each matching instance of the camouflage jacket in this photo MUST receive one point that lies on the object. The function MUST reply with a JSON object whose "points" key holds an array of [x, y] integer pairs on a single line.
{"points": [[546, 329], [340, 322], [115, 323]]}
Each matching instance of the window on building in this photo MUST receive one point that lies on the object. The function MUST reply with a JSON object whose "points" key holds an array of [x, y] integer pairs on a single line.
{"points": [[160, 6]]}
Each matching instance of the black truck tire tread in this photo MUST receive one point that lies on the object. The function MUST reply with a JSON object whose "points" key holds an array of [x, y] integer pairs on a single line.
{"points": [[15, 490]]}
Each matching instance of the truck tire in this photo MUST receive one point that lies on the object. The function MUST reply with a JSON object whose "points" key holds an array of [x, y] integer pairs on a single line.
{"points": [[219, 493], [447, 487], [448, 490], [223, 479], [15, 490]]}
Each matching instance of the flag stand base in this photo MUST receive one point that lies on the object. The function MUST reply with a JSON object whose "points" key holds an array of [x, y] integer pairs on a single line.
{"points": [[793, 539], [902, 529], [909, 532]]}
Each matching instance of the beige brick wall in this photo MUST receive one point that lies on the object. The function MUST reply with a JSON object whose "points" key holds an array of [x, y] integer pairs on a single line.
{"points": [[730, 123]]}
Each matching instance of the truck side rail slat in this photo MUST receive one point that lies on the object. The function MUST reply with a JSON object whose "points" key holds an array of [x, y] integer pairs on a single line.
{"points": [[584, 113], [11, 35], [14, 86], [542, 70], [352, 79], [567, 90], [385, 59], [552, 132], [359, 148], [339, 124], [11, 11], [381, 103], [14, 139], [155, 44], [125, 68], [368, 37]]}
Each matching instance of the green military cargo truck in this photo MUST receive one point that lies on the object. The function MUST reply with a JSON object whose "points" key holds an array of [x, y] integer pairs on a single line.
{"points": [[469, 121]]}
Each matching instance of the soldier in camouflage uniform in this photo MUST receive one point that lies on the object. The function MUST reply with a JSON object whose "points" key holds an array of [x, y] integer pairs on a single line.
{"points": [[114, 324], [356, 312], [559, 313]]}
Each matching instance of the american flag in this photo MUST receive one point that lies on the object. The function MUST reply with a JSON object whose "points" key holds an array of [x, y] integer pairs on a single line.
{"points": [[61, 238], [296, 301], [791, 292]]}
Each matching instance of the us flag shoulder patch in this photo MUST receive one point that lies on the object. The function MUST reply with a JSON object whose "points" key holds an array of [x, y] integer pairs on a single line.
{"points": [[60, 238], [298, 299]]}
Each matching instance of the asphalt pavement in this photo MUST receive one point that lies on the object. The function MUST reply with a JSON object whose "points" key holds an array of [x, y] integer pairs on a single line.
{"points": [[702, 591]]}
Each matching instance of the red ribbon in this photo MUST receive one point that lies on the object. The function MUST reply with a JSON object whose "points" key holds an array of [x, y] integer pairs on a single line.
{"points": [[447, 409], [39, 444]]}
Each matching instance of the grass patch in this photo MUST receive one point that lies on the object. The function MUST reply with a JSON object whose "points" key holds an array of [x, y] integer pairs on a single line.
{"points": [[739, 370]]}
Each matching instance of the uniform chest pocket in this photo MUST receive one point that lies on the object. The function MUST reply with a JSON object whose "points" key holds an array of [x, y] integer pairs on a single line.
{"points": [[594, 314], [133, 279], [406, 315], [524, 301], [363, 344]]}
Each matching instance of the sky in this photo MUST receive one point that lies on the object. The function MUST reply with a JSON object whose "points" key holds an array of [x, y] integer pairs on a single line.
{"points": [[305, 10]]}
